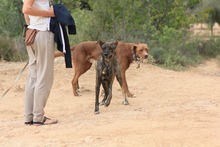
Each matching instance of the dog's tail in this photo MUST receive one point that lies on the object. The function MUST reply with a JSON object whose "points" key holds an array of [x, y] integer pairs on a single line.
{"points": [[59, 54]]}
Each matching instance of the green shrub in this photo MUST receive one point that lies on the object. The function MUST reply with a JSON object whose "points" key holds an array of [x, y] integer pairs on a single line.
{"points": [[175, 51], [12, 49], [6, 46], [209, 48]]}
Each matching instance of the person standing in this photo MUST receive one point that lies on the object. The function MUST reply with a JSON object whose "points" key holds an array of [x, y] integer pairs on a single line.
{"points": [[37, 14]]}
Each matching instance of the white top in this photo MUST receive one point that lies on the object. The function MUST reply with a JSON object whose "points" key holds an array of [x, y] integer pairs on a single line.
{"points": [[40, 22]]}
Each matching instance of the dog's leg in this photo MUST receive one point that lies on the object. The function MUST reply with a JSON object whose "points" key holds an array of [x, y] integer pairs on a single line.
{"points": [[98, 84], [75, 83], [121, 71], [125, 85], [78, 88], [119, 79], [105, 92], [109, 95], [125, 102], [79, 70]]}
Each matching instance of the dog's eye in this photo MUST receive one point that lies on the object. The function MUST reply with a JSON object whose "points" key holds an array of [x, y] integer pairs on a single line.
{"points": [[104, 46], [112, 46], [111, 49], [140, 50]]}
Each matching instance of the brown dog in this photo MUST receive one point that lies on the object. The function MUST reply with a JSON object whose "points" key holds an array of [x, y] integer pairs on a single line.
{"points": [[126, 54], [84, 54]]}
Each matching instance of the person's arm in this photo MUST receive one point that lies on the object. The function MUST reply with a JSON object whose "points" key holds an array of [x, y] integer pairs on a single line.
{"points": [[28, 9], [27, 19]]}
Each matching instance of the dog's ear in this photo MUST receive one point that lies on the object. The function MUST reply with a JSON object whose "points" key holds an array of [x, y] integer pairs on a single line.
{"points": [[134, 49], [116, 42], [100, 42], [114, 45]]}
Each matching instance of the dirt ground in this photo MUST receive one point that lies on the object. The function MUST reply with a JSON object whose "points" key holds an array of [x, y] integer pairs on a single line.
{"points": [[171, 109]]}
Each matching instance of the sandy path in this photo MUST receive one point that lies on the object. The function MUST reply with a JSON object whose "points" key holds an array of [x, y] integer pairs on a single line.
{"points": [[171, 109]]}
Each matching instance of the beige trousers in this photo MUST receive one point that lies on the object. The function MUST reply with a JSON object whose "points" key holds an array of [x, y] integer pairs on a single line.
{"points": [[40, 78]]}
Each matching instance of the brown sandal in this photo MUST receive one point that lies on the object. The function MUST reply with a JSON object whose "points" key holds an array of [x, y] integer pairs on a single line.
{"points": [[28, 123], [46, 121]]}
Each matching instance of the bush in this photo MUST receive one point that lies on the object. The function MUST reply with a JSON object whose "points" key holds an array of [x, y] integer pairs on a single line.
{"points": [[12, 49], [209, 48], [5, 48], [177, 50]]}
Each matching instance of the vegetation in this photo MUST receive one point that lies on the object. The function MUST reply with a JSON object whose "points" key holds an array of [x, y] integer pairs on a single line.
{"points": [[162, 24]]}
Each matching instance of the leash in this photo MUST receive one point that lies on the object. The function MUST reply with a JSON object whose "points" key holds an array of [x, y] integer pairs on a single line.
{"points": [[16, 79]]}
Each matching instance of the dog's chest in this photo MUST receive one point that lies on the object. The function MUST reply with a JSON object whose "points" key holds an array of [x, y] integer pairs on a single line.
{"points": [[106, 72]]}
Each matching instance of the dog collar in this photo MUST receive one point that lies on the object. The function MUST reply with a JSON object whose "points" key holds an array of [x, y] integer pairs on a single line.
{"points": [[134, 56], [136, 59]]}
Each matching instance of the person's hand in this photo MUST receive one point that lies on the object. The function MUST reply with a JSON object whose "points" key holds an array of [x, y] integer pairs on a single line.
{"points": [[51, 11]]}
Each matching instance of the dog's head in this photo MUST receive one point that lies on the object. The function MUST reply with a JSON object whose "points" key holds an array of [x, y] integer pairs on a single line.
{"points": [[140, 51], [108, 48]]}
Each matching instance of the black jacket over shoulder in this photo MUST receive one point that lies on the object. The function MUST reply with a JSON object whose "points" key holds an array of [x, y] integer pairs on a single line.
{"points": [[58, 26]]}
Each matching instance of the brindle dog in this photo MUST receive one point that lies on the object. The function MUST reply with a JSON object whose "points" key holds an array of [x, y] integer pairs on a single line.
{"points": [[107, 68]]}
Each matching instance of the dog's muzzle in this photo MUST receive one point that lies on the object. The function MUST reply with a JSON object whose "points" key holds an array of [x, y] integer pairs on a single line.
{"points": [[145, 56], [108, 56]]}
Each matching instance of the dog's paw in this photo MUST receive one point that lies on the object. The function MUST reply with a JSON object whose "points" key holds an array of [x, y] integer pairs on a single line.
{"points": [[78, 90], [125, 102], [77, 93], [96, 112], [131, 95], [101, 103], [107, 103]]}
